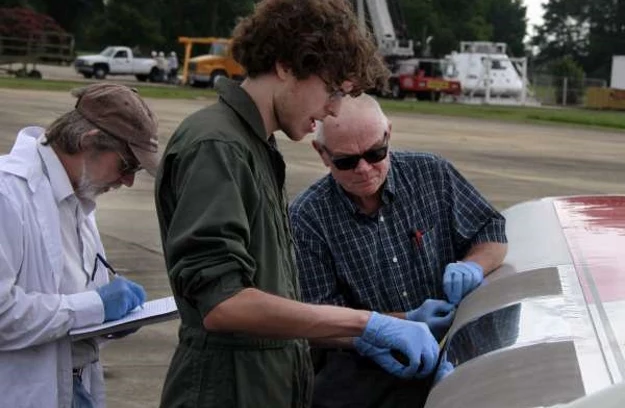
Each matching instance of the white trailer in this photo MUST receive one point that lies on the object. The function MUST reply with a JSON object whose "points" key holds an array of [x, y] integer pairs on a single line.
{"points": [[618, 72], [488, 74]]}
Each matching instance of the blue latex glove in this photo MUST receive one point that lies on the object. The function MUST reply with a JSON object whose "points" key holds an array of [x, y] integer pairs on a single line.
{"points": [[444, 369], [437, 314], [460, 278], [383, 334], [120, 296]]}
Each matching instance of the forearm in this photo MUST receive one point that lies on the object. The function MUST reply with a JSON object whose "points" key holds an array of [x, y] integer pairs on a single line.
{"points": [[333, 342], [261, 314], [49, 316], [346, 342], [488, 254]]}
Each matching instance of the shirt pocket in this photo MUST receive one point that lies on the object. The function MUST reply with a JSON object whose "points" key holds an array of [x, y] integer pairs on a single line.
{"points": [[430, 262]]}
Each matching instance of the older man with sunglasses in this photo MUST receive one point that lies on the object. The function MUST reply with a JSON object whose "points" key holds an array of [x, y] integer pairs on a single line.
{"points": [[400, 233], [53, 274]]}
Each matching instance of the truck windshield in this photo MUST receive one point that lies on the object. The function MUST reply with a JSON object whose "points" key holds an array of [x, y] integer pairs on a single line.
{"points": [[108, 51], [219, 49]]}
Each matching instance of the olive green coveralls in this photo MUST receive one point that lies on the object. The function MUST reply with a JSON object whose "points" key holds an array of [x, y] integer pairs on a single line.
{"points": [[224, 227]]}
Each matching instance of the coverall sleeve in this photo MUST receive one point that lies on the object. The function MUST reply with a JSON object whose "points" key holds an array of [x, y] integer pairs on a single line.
{"points": [[29, 318], [315, 264], [206, 239]]}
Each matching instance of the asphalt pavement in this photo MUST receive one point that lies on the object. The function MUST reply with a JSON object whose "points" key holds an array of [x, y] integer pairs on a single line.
{"points": [[509, 163]]}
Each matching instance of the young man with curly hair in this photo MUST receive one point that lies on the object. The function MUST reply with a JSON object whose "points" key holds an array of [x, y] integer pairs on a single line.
{"points": [[224, 225]]}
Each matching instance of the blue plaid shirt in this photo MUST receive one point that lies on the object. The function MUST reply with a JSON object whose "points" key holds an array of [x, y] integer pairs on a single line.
{"points": [[381, 262]]}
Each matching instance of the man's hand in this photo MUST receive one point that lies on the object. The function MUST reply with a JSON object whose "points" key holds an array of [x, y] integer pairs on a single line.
{"points": [[437, 314], [385, 334], [120, 296], [460, 278]]}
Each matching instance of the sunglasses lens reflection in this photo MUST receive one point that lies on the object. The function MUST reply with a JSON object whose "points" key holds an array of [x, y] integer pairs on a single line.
{"points": [[376, 155]]}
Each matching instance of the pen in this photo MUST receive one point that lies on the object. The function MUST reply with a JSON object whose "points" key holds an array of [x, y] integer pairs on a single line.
{"points": [[109, 267], [417, 236]]}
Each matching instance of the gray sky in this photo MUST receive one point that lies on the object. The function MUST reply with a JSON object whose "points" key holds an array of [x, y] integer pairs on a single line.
{"points": [[534, 12]]}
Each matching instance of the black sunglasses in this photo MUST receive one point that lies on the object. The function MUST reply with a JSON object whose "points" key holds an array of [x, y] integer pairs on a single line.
{"points": [[350, 162]]}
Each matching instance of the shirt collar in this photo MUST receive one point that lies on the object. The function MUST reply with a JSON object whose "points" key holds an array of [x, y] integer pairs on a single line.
{"points": [[390, 185], [240, 101], [59, 180]]}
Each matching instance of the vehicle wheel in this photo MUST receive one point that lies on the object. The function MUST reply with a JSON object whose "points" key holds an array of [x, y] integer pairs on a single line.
{"points": [[100, 72], [436, 96], [216, 76], [155, 75], [35, 74], [197, 84], [422, 96], [141, 78], [396, 92], [87, 75]]}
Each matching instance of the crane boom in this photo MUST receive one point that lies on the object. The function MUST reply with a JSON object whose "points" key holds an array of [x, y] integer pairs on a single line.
{"points": [[383, 27]]}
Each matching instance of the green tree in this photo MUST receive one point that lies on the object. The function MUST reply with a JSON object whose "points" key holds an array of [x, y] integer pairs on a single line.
{"points": [[507, 18], [14, 3], [201, 18], [72, 15], [590, 32], [606, 35], [421, 22], [566, 69], [564, 31], [448, 22], [127, 22], [460, 20]]}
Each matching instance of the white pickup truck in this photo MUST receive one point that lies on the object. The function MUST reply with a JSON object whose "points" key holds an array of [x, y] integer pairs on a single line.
{"points": [[117, 60]]}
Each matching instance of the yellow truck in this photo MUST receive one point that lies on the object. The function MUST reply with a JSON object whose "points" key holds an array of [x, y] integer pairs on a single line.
{"points": [[205, 70]]}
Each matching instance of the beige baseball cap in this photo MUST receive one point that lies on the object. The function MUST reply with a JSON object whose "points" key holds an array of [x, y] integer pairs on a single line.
{"points": [[120, 111]]}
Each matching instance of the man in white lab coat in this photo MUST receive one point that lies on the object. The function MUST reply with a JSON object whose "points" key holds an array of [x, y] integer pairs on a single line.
{"points": [[52, 277]]}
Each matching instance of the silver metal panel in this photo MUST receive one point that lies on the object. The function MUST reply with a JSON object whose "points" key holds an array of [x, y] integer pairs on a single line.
{"points": [[590, 355], [548, 326], [524, 311], [531, 376], [535, 236], [498, 292], [532, 321]]}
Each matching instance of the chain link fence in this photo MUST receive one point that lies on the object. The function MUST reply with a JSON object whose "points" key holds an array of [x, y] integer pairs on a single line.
{"points": [[562, 91]]}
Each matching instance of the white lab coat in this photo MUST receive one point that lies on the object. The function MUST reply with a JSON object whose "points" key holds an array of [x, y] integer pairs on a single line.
{"points": [[35, 351]]}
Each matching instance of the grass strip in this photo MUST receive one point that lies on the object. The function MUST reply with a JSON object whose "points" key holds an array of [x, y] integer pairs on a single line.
{"points": [[544, 115]]}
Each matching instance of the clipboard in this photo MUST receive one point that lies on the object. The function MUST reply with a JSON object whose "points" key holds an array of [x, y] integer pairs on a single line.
{"points": [[153, 311]]}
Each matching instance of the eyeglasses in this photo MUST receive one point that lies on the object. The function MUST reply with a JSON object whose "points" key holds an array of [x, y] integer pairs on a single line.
{"points": [[100, 258], [350, 162], [336, 95], [128, 167]]}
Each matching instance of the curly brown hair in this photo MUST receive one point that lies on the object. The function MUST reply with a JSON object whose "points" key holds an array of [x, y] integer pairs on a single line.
{"points": [[311, 37]]}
